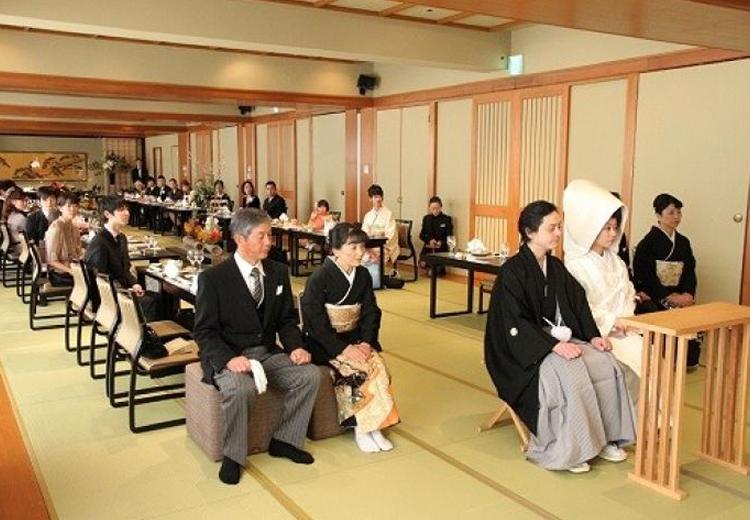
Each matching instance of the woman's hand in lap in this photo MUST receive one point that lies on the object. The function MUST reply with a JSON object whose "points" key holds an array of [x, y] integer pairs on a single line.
{"points": [[602, 344]]}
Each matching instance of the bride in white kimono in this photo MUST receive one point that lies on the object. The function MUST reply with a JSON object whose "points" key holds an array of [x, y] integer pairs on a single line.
{"points": [[594, 221]]}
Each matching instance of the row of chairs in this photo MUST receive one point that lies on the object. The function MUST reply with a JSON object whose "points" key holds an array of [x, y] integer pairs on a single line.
{"points": [[115, 315]]}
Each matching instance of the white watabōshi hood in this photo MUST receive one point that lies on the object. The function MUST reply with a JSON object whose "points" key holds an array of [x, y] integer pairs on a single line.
{"points": [[587, 207]]}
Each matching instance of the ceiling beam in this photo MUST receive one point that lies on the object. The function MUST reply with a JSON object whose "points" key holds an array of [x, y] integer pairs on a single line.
{"points": [[93, 87], [51, 112], [454, 18], [254, 26], [322, 3], [722, 26], [403, 6], [25, 127]]}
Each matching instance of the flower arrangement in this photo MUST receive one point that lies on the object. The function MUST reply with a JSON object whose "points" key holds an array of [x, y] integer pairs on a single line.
{"points": [[203, 191], [208, 233]]}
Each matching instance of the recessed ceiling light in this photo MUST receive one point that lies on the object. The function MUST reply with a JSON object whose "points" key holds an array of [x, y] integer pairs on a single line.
{"points": [[275, 110]]}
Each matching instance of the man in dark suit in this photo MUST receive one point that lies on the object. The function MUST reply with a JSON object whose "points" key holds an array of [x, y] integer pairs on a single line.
{"points": [[38, 221], [436, 228], [241, 305], [139, 173], [274, 204]]}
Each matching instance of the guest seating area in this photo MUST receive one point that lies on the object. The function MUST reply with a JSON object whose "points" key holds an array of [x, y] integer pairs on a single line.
{"points": [[442, 465]]}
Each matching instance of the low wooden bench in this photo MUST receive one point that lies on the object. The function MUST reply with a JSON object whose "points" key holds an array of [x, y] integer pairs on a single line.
{"points": [[205, 422]]}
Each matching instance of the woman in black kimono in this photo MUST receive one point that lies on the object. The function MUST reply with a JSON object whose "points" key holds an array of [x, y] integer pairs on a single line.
{"points": [[547, 359], [341, 321], [664, 267]]}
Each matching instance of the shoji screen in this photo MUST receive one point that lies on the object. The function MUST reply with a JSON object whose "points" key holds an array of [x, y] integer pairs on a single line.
{"points": [[519, 155]]}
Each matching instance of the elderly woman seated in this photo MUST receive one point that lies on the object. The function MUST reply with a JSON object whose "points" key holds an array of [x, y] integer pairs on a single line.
{"points": [[341, 324], [547, 358], [594, 220]]}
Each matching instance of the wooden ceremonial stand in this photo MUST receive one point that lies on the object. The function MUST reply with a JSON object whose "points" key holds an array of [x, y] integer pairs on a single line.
{"points": [[665, 343]]}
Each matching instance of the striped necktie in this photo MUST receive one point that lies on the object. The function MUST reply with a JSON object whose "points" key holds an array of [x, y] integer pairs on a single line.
{"points": [[256, 286]]}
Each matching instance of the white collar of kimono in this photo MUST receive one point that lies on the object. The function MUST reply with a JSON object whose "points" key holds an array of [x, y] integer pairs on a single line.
{"points": [[587, 208], [670, 237], [349, 276]]}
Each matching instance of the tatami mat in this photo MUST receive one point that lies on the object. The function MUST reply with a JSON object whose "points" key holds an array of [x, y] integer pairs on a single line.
{"points": [[93, 467]]}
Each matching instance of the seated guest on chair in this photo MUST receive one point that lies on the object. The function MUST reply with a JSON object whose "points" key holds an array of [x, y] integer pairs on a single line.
{"points": [[64, 242], [151, 187], [547, 358], [241, 305], [248, 197], [185, 188], [594, 221], [664, 267], [320, 215], [38, 222], [162, 191], [15, 213], [175, 189], [108, 253], [379, 221], [436, 227], [220, 196], [274, 205], [341, 324]]}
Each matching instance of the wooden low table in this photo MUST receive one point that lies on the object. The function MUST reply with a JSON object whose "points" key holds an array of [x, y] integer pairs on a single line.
{"points": [[665, 343]]}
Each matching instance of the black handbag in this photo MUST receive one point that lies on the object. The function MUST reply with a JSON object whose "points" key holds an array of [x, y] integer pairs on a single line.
{"points": [[152, 346]]}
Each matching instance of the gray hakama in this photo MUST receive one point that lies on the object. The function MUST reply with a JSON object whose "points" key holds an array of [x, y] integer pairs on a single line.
{"points": [[583, 405]]}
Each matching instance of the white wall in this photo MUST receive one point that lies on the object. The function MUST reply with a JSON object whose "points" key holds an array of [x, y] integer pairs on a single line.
{"points": [[304, 176], [329, 160], [261, 143], [693, 141], [544, 48], [597, 133], [229, 159], [454, 163], [166, 142]]}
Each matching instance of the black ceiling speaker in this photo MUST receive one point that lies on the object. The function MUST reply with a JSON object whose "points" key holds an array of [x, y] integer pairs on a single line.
{"points": [[245, 109], [365, 83]]}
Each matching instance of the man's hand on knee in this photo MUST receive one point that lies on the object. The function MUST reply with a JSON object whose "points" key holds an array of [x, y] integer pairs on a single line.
{"points": [[239, 364], [300, 356]]}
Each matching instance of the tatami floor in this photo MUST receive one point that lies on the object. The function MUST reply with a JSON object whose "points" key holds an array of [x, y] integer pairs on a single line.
{"points": [[89, 465]]}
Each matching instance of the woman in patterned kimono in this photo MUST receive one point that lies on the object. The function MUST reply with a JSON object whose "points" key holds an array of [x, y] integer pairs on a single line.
{"points": [[341, 321], [664, 267], [547, 358], [594, 220]]}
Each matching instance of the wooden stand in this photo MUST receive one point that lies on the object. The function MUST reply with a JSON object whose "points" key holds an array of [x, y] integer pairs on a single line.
{"points": [[665, 338]]}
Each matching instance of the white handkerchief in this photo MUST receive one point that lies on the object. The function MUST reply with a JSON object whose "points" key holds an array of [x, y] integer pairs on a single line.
{"points": [[279, 289]]}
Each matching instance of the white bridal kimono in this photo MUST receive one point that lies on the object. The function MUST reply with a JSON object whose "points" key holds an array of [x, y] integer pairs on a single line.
{"points": [[609, 291]]}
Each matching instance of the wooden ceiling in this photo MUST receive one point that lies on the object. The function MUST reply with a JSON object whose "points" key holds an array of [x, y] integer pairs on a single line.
{"points": [[720, 24], [421, 12]]}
